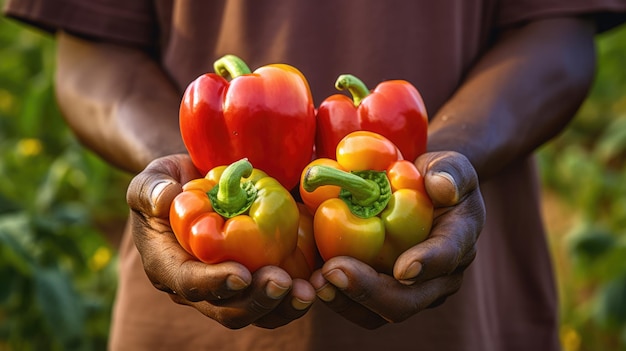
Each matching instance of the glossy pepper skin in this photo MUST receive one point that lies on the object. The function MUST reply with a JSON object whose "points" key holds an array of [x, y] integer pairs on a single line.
{"points": [[305, 258], [238, 213], [394, 109], [369, 204], [267, 116]]}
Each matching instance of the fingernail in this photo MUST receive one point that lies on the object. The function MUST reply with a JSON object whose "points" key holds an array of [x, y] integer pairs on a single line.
{"points": [[157, 191], [275, 291], [338, 278], [326, 293], [444, 183], [446, 175], [299, 304], [411, 273], [235, 283]]}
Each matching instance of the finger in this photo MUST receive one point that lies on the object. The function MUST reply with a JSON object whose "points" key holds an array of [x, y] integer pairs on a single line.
{"points": [[303, 296], [451, 182], [270, 286], [450, 246], [439, 255], [152, 190], [341, 303], [292, 307], [381, 295], [170, 268], [448, 177]]}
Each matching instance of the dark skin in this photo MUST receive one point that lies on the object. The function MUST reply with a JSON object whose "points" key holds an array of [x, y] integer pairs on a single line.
{"points": [[518, 95]]}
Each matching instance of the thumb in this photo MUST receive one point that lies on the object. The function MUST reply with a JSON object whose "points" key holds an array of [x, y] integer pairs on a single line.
{"points": [[448, 177], [152, 191]]}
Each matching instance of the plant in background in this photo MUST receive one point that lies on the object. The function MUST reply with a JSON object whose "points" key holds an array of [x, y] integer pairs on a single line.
{"points": [[586, 167], [58, 271]]}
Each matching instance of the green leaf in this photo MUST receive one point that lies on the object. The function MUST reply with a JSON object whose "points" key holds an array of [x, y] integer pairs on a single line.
{"points": [[14, 236], [8, 277], [589, 242], [610, 308], [61, 306], [7, 205], [613, 142]]}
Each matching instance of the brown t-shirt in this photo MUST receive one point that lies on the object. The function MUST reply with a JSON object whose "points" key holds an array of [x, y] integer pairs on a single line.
{"points": [[508, 299]]}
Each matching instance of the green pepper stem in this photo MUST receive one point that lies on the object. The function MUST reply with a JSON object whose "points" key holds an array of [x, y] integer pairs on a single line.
{"points": [[230, 66], [364, 191], [354, 85], [231, 196]]}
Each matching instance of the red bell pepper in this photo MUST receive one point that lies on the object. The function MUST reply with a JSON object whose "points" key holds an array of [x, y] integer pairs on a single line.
{"points": [[394, 109], [267, 116]]}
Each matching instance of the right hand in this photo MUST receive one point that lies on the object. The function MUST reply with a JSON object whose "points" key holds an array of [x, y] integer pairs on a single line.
{"points": [[226, 292], [426, 274]]}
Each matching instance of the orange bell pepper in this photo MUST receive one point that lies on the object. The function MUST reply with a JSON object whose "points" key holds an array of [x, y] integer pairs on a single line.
{"points": [[241, 214], [369, 204]]}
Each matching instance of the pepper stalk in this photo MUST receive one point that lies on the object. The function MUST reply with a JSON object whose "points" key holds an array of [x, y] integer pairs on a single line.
{"points": [[354, 85], [232, 197], [366, 193], [231, 66]]}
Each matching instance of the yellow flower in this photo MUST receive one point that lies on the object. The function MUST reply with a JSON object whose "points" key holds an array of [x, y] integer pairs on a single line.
{"points": [[570, 339], [7, 100], [29, 147], [100, 258]]}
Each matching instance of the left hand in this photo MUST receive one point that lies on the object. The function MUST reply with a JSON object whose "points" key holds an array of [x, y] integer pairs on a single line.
{"points": [[424, 275], [226, 292]]}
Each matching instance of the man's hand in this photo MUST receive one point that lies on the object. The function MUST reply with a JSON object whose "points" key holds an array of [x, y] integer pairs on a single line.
{"points": [[226, 292], [426, 274]]}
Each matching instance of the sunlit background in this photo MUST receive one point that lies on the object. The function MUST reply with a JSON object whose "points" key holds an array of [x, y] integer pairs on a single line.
{"points": [[62, 209]]}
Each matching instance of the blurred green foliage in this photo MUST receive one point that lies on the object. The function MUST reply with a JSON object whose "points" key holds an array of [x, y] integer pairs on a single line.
{"points": [[586, 167], [58, 271]]}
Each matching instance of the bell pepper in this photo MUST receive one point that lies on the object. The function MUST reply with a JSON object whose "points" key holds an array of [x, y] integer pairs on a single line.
{"points": [[370, 203], [394, 109], [267, 116], [238, 213], [303, 260]]}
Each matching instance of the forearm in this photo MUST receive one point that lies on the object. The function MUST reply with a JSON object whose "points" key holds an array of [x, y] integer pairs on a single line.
{"points": [[519, 95], [118, 102]]}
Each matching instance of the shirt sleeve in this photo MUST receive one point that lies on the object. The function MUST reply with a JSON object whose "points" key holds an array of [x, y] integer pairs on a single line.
{"points": [[607, 13], [127, 22]]}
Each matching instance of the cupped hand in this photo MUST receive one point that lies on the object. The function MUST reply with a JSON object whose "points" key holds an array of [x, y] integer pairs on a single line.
{"points": [[226, 292], [424, 275]]}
